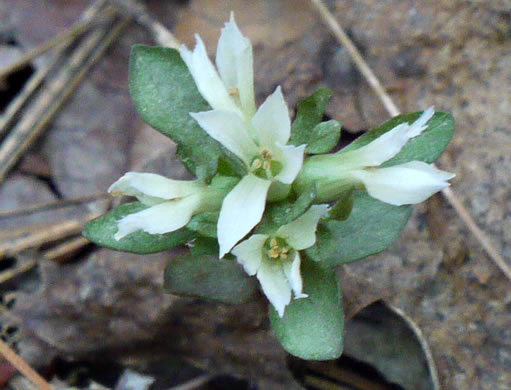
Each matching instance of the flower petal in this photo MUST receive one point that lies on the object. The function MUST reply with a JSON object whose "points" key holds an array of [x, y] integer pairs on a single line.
{"points": [[301, 233], [241, 210], [408, 183], [163, 218], [235, 65], [292, 271], [274, 284], [152, 189], [291, 158], [206, 77], [250, 252], [378, 151], [228, 129], [271, 121], [419, 125], [387, 145]]}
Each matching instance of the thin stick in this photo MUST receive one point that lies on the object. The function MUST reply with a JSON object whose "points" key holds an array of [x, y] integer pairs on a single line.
{"points": [[62, 251], [35, 81], [23, 367], [362, 65], [64, 37], [53, 205], [392, 109], [12, 233], [31, 126], [476, 231], [139, 12], [9, 274], [52, 233], [194, 383]]}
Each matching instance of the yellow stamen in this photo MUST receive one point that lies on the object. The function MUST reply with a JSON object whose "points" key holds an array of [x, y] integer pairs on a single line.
{"points": [[274, 252], [257, 163], [267, 155]]}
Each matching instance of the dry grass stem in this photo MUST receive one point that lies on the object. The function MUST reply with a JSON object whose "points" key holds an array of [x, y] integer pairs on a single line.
{"points": [[51, 100], [194, 383], [64, 251], [11, 273], [333, 377], [52, 233], [36, 80], [343, 39], [65, 37], [22, 366], [392, 109], [139, 12], [53, 205]]}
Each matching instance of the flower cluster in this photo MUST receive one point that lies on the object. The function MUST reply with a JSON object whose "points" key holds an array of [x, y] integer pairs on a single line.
{"points": [[259, 138]]}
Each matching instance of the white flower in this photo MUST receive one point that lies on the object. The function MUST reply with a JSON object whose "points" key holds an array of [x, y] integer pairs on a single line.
{"points": [[233, 89], [275, 257], [172, 203], [408, 183], [261, 145]]}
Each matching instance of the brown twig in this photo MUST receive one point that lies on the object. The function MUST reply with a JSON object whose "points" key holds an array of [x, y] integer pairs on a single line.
{"points": [[392, 109], [342, 37], [9, 274], [54, 232], [481, 236], [47, 104], [21, 231], [62, 252], [35, 81], [330, 376], [53, 205], [65, 37], [23, 367], [193, 383], [137, 11]]}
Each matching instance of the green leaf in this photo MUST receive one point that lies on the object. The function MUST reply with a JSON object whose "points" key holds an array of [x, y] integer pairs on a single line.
{"points": [[208, 277], [102, 230], [371, 227], [312, 328], [204, 224], [204, 246], [426, 147], [285, 212], [309, 114], [165, 93], [325, 137], [343, 207]]}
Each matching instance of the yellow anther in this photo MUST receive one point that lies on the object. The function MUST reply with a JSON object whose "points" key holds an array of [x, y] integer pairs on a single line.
{"points": [[267, 155], [257, 163], [273, 242], [234, 91], [274, 252], [266, 164]]}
